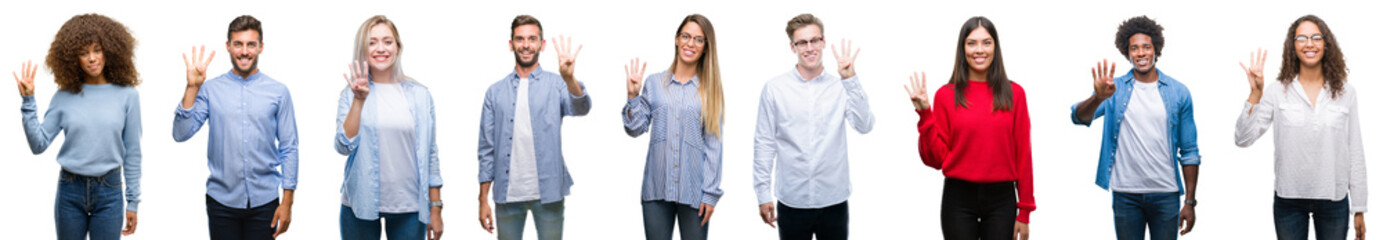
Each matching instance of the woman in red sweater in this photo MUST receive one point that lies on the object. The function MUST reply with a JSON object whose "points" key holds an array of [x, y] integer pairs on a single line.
{"points": [[978, 136]]}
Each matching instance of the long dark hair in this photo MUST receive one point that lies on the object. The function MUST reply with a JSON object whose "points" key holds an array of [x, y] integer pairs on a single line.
{"points": [[1332, 63], [996, 77]]}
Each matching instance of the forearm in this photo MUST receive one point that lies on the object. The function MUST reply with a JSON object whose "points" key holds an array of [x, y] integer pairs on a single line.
{"points": [[573, 86], [485, 193], [189, 96], [1085, 112], [1190, 173], [287, 199], [434, 194], [352, 123]]}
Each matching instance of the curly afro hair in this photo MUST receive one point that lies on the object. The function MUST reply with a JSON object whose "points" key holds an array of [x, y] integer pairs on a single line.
{"points": [[117, 46], [1134, 26]]}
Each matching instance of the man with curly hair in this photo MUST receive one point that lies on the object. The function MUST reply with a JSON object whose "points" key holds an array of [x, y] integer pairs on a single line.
{"points": [[253, 134], [1149, 131], [96, 109]]}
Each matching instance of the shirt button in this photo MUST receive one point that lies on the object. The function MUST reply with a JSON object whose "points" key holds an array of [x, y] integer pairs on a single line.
{"points": [[674, 181], [677, 150], [674, 165]]}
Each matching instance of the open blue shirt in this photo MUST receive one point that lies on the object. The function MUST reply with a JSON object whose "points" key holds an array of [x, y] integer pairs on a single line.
{"points": [[361, 184], [548, 101], [1181, 130], [253, 133]]}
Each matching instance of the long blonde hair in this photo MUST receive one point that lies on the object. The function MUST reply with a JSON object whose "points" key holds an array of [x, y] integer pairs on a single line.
{"points": [[712, 98], [362, 44]]}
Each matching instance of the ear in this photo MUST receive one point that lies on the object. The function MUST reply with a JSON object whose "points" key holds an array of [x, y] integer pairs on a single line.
{"points": [[542, 45], [511, 45]]}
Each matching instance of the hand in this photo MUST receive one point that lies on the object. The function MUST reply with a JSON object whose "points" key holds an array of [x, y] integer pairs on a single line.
{"points": [[487, 221], [634, 76], [1359, 226], [705, 213], [282, 217], [359, 79], [434, 229], [566, 59], [1020, 230], [25, 78], [845, 60], [766, 212], [1104, 79], [918, 91], [1187, 220], [196, 66], [132, 221], [1254, 70]]}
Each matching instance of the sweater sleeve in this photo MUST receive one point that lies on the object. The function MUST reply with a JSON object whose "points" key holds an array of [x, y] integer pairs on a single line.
{"points": [[1022, 137], [933, 141]]}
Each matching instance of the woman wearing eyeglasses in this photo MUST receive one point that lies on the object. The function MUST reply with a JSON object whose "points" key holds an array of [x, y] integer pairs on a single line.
{"points": [[387, 127], [685, 108], [977, 134], [1319, 158]]}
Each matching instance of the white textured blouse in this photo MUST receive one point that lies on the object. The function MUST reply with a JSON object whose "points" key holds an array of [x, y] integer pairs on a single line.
{"points": [[1318, 150]]}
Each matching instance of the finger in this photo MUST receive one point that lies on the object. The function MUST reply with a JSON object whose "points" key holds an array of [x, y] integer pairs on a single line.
{"points": [[578, 52], [706, 218], [855, 55], [641, 69], [202, 51], [207, 61], [834, 53]]}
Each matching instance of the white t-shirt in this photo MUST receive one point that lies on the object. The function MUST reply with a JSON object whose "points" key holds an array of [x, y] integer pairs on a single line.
{"points": [[523, 165], [398, 171], [1143, 161]]}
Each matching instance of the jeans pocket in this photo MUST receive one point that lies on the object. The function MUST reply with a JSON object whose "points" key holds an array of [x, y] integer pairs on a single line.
{"points": [[111, 181]]}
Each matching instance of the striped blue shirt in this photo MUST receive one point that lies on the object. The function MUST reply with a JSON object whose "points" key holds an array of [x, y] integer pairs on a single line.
{"points": [[674, 110]]}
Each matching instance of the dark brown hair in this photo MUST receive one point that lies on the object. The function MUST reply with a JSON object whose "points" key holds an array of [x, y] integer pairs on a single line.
{"points": [[244, 23], [1332, 63], [521, 20], [995, 76], [117, 47], [802, 20]]}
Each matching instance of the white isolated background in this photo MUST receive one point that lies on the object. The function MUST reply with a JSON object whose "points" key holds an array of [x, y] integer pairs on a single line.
{"points": [[459, 48]]}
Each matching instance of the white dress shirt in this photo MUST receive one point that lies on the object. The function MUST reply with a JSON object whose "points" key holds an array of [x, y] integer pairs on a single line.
{"points": [[1318, 150], [801, 127]]}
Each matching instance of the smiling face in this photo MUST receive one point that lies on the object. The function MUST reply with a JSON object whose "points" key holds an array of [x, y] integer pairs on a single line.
{"points": [[1142, 53], [526, 43], [691, 42], [93, 60], [1310, 44], [383, 48], [244, 48], [979, 48], [808, 42]]}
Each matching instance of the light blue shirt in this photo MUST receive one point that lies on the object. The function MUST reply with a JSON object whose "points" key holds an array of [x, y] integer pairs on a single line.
{"points": [[102, 127], [253, 133], [1181, 130], [548, 101], [361, 184], [687, 177]]}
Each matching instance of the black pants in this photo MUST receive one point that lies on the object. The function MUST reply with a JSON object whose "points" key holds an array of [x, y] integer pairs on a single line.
{"points": [[972, 211], [829, 223], [227, 223]]}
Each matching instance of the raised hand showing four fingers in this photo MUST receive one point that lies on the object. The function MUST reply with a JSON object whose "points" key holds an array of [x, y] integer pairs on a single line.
{"points": [[1254, 69], [359, 79], [1103, 73], [25, 78], [918, 91], [845, 59], [634, 75], [196, 66], [566, 59]]}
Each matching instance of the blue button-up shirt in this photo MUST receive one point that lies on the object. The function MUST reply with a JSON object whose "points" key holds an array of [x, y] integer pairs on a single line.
{"points": [[253, 133], [688, 177], [361, 186], [1181, 122], [548, 101]]}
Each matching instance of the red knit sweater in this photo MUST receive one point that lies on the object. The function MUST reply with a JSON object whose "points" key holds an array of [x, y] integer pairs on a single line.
{"points": [[978, 144]]}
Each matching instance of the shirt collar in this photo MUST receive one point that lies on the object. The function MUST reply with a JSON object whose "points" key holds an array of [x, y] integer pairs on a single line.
{"points": [[798, 75], [514, 75], [233, 76], [1161, 78], [695, 80]]}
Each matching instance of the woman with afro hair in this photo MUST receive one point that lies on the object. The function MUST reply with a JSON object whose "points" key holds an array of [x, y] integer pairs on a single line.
{"points": [[98, 108]]}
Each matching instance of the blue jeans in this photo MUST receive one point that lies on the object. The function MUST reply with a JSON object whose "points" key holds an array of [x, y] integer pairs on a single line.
{"points": [[86, 204], [510, 217], [1159, 212], [397, 225], [1290, 218], [658, 217]]}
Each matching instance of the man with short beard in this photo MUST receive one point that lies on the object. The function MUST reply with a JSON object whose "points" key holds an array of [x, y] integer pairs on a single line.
{"points": [[253, 134], [1149, 131], [521, 136]]}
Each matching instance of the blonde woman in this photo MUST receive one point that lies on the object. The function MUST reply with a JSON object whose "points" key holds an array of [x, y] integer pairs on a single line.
{"points": [[387, 128]]}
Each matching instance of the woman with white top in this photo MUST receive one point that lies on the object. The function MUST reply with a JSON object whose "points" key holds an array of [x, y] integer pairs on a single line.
{"points": [[387, 128], [1318, 153]]}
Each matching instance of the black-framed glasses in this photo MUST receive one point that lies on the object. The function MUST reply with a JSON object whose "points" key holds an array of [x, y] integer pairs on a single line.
{"points": [[699, 40], [800, 44], [1313, 38]]}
